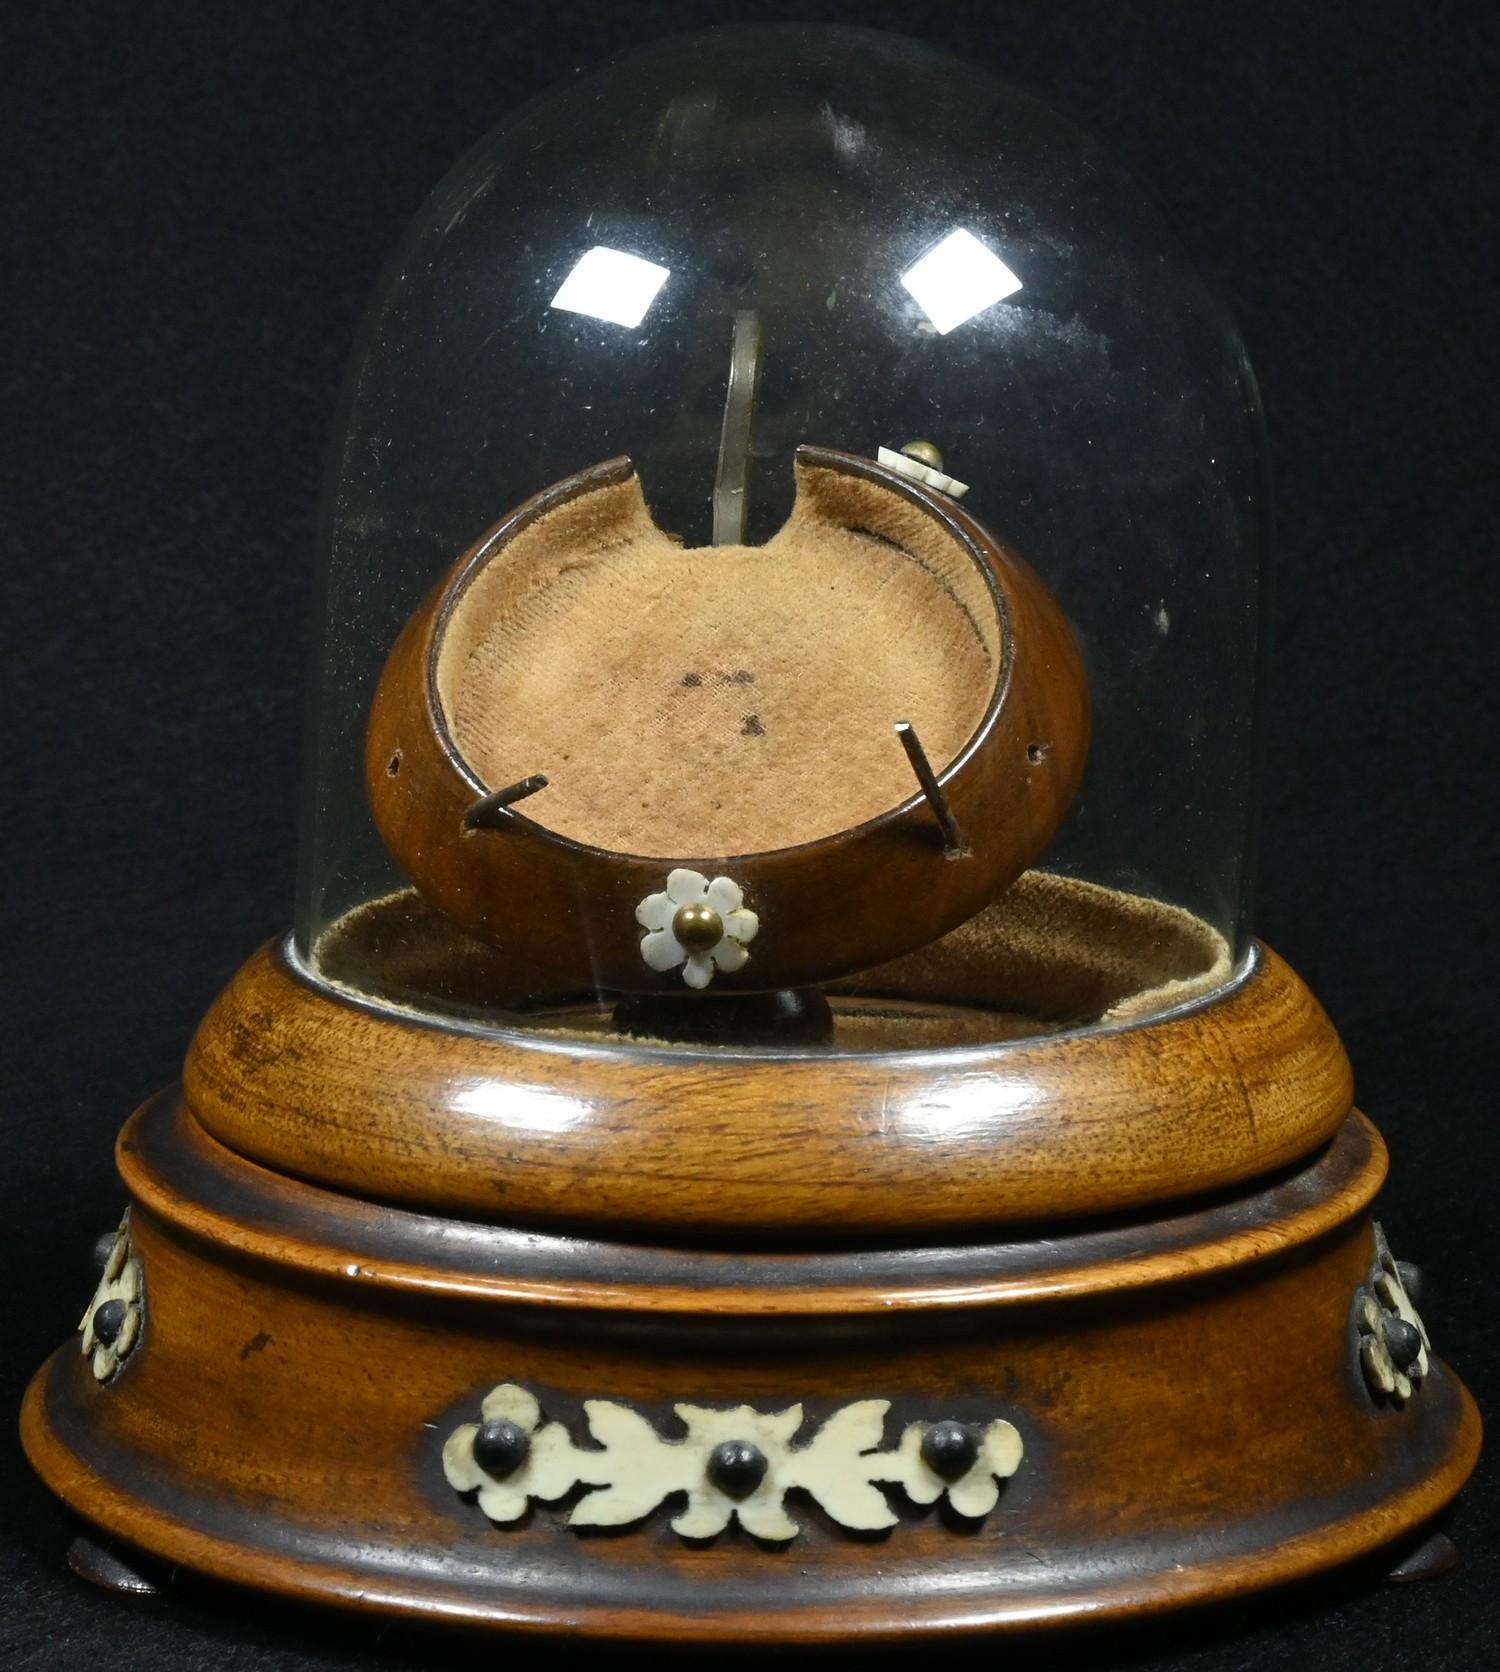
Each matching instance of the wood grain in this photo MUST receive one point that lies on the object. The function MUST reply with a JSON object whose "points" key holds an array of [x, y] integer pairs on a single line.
{"points": [[1189, 1439], [707, 1145], [188, 1180]]}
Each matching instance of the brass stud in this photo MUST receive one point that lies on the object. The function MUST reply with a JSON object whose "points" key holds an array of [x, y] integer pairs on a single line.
{"points": [[698, 927], [924, 452]]}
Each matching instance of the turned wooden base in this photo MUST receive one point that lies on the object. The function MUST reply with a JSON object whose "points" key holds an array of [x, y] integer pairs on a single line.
{"points": [[1186, 1392]]}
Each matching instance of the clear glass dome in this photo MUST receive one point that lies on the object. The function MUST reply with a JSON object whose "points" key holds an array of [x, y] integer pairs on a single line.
{"points": [[703, 259]]}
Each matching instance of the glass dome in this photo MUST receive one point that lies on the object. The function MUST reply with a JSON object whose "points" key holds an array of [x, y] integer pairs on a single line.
{"points": [[961, 735]]}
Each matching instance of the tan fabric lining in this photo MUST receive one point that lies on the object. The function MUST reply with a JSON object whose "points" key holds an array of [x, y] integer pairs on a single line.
{"points": [[1051, 949], [1057, 947], [721, 700]]}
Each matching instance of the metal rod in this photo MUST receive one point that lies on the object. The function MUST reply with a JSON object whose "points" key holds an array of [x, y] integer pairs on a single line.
{"points": [[484, 814], [732, 481], [953, 840]]}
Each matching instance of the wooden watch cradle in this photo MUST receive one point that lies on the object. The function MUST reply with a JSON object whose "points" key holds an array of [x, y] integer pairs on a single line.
{"points": [[1148, 1247], [735, 714]]}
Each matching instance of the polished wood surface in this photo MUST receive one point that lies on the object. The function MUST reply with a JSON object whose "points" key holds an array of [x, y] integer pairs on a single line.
{"points": [[703, 1145], [191, 1182], [1194, 1428], [828, 907]]}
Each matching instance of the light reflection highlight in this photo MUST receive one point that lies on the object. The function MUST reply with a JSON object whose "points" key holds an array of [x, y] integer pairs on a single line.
{"points": [[961, 1107], [958, 278], [611, 285], [522, 1108]]}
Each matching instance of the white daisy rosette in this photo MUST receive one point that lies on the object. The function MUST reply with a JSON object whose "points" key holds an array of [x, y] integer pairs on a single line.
{"points": [[700, 926], [111, 1325], [975, 1492], [1395, 1350]]}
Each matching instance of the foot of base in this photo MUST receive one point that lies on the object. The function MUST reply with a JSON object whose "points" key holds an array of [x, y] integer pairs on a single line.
{"points": [[1430, 1558], [100, 1566]]}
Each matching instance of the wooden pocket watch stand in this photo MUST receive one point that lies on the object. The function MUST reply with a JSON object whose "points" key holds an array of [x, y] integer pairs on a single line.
{"points": [[1198, 1398], [375, 1264], [970, 1321]]}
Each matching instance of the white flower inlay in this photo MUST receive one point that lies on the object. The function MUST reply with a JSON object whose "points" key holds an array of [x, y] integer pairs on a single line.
{"points": [[1394, 1349], [701, 925], [732, 1465], [111, 1324], [551, 1469], [919, 472], [975, 1491]]}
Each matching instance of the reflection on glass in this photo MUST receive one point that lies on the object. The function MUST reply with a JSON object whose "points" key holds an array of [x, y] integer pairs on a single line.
{"points": [[611, 285], [957, 279]]}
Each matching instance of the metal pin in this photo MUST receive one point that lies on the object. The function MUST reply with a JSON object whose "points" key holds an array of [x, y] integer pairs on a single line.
{"points": [[953, 841], [733, 478], [483, 815]]}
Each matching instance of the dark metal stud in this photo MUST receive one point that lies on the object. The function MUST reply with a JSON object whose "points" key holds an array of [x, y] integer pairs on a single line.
{"points": [[1403, 1341], [737, 1467], [109, 1320], [1411, 1279], [104, 1248], [950, 1449], [501, 1447]]}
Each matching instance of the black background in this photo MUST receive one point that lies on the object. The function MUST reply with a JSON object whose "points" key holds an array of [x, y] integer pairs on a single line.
{"points": [[196, 204]]}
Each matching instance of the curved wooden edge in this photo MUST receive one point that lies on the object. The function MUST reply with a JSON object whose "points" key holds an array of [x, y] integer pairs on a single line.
{"points": [[179, 1174], [694, 1145], [931, 1611], [1008, 788]]}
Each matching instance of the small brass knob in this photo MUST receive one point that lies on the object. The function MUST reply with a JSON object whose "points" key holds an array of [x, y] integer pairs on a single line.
{"points": [[698, 927], [924, 452]]}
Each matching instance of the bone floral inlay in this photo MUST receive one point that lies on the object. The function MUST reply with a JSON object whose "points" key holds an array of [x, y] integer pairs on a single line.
{"points": [[701, 926], [732, 1465], [1394, 1351], [111, 1325]]}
